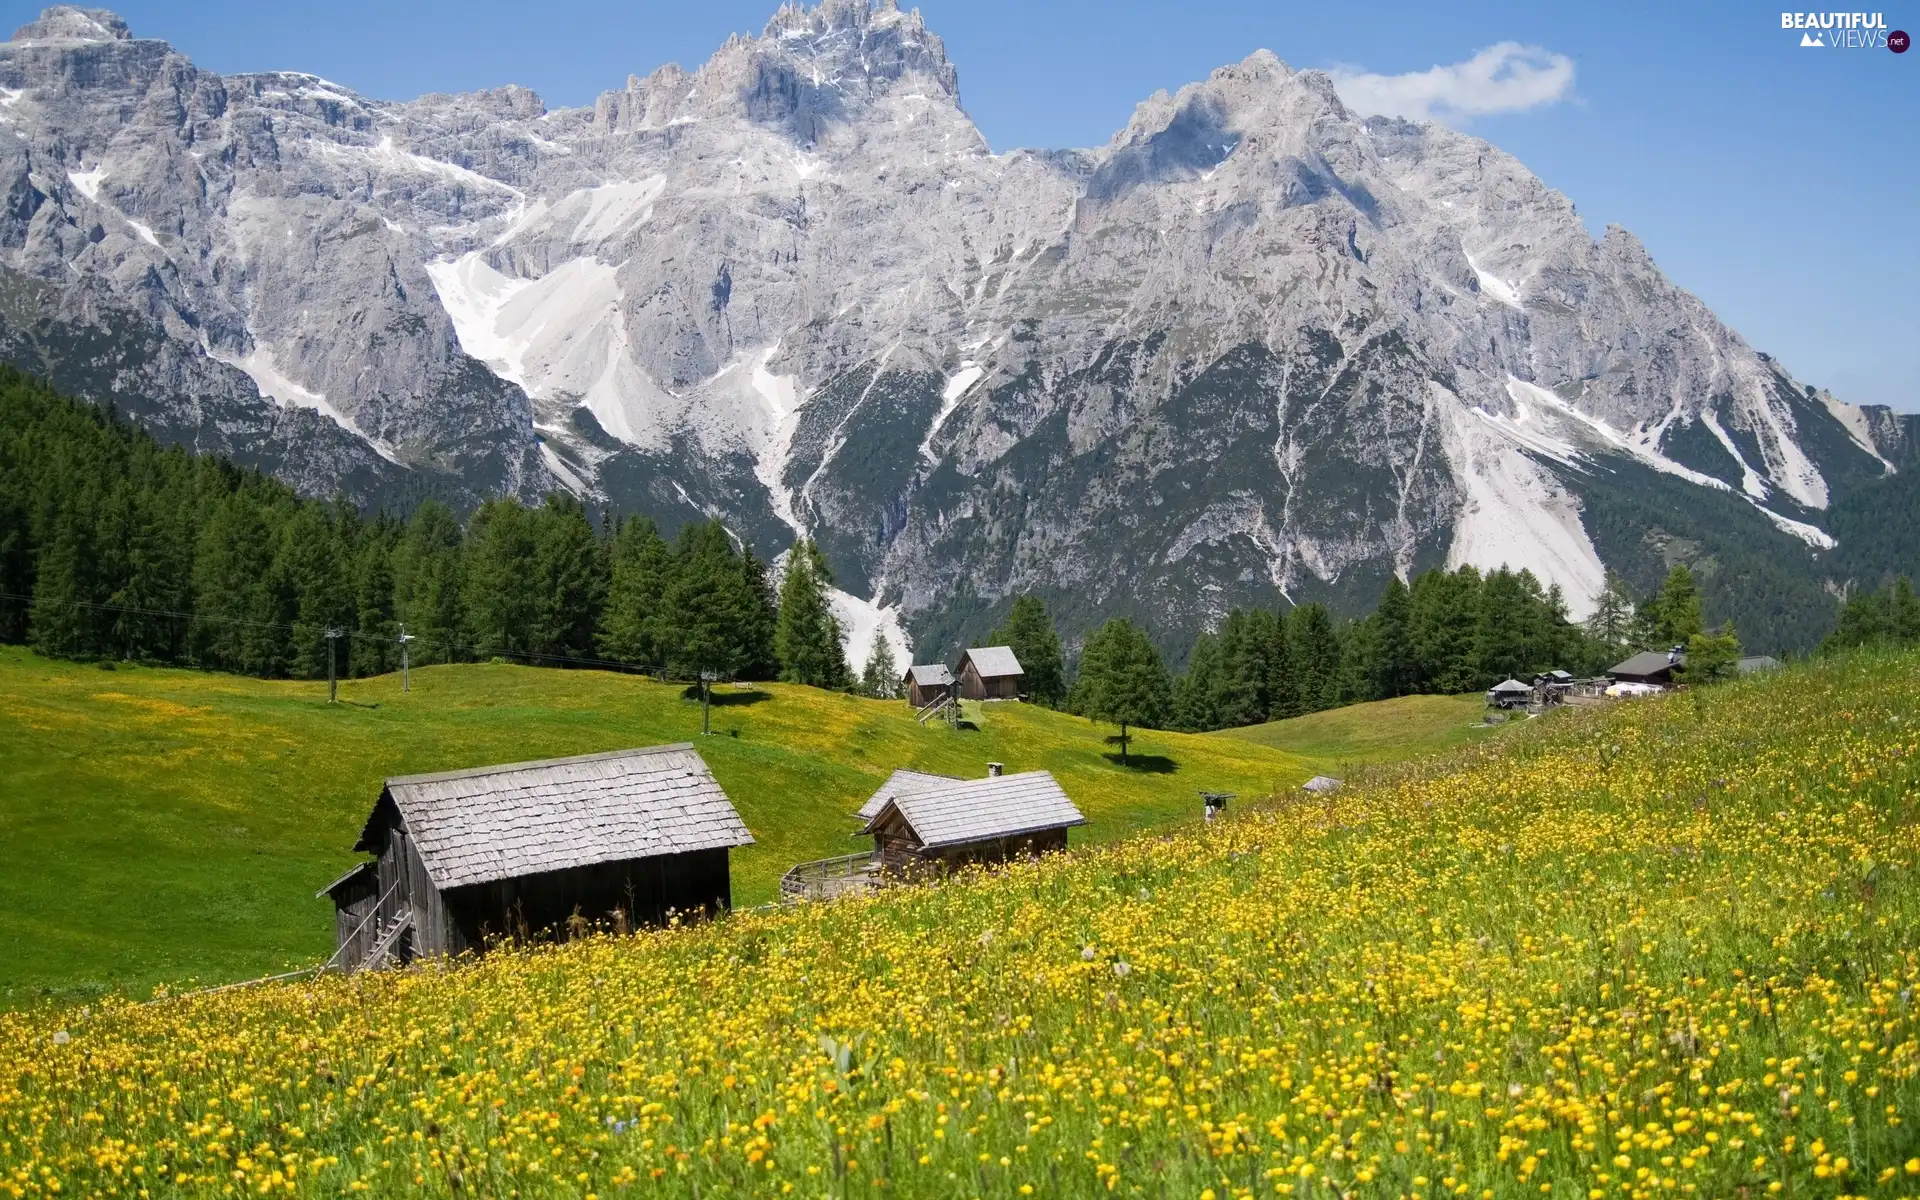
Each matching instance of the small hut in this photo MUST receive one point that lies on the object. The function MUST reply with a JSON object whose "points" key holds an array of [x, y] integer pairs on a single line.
{"points": [[927, 684], [1321, 785], [465, 856], [1509, 693], [942, 826], [989, 673]]}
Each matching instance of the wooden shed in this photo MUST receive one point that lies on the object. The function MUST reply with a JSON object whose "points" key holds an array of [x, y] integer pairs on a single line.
{"points": [[927, 684], [932, 829], [989, 673], [518, 850]]}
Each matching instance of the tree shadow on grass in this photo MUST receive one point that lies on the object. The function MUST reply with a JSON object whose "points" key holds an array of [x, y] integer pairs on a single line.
{"points": [[1151, 764], [727, 699]]}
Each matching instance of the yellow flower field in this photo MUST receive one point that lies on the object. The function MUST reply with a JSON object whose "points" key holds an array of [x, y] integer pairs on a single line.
{"points": [[1667, 950]]}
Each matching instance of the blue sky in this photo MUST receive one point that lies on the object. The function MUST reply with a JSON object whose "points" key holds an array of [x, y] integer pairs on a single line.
{"points": [[1780, 184]]}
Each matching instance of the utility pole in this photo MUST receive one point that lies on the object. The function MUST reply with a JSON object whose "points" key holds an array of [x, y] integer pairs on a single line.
{"points": [[406, 682], [706, 699], [333, 686]]}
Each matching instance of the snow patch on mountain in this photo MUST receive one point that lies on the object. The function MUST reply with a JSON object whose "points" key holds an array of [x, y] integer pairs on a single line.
{"points": [[260, 366], [1854, 420], [1514, 513], [859, 620], [956, 386], [1491, 285], [601, 213], [782, 401], [1750, 481], [88, 182]]}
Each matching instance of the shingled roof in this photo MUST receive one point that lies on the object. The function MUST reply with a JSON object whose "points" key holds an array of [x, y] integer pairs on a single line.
{"points": [[503, 822], [902, 780], [977, 810], [935, 675], [992, 661]]}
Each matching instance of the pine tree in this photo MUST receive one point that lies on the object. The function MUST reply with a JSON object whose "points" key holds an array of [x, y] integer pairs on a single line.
{"points": [[376, 649], [709, 605], [502, 593], [1611, 622], [1122, 681], [310, 560], [62, 624], [1195, 692], [880, 678], [1676, 614], [570, 579], [429, 584], [1445, 612], [630, 625], [806, 636], [1712, 657], [1029, 633], [1393, 672], [1314, 649]]}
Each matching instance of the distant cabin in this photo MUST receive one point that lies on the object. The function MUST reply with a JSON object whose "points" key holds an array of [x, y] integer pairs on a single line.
{"points": [[1322, 785], [1756, 662], [1509, 693], [989, 673], [925, 685], [1653, 667], [940, 826], [517, 850]]}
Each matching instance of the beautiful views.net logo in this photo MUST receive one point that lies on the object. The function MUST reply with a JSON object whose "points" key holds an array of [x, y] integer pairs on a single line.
{"points": [[1845, 31]]}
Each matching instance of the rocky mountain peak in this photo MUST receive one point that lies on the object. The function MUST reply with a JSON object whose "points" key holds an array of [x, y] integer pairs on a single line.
{"points": [[69, 23]]}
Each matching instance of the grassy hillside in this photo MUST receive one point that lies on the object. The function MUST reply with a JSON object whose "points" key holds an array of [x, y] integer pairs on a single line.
{"points": [[1666, 949], [158, 824], [1377, 731]]}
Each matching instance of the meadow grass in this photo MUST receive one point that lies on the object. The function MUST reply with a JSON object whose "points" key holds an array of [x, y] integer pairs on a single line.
{"points": [[1666, 949], [158, 825], [1377, 731]]}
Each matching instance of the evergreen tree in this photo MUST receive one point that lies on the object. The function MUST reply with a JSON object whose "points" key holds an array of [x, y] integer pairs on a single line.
{"points": [[1887, 617], [1445, 613], [1393, 670], [630, 625], [429, 582], [1611, 623], [502, 592], [1675, 613], [1028, 632], [1283, 689], [1122, 681], [759, 616], [310, 560], [880, 678], [1711, 657], [715, 605], [1245, 677], [807, 637], [376, 649], [1196, 691], [63, 624], [1314, 650], [570, 579]]}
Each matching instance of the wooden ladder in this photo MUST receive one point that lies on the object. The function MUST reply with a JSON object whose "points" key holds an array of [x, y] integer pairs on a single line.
{"points": [[389, 937], [946, 708]]}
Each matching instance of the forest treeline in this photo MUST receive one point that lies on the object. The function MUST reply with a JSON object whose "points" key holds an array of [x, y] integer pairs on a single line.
{"points": [[114, 547]]}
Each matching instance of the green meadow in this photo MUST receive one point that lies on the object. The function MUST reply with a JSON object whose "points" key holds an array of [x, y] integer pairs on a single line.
{"points": [[161, 825]]}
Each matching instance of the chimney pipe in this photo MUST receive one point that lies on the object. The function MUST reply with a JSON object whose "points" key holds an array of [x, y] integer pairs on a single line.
{"points": [[994, 769]]}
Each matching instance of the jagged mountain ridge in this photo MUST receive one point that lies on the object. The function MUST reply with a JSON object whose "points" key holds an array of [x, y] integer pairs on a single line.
{"points": [[1255, 346]]}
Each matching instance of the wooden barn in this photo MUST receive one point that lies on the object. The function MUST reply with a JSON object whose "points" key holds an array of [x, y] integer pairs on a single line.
{"points": [[937, 827], [989, 673], [1652, 667], [924, 685], [519, 850]]}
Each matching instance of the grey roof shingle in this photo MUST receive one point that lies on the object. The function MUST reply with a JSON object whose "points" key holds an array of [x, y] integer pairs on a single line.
{"points": [[902, 780], [935, 675], [976, 810], [1511, 687], [992, 661], [1647, 662], [523, 818]]}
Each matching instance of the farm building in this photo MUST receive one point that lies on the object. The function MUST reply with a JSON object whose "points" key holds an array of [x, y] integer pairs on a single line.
{"points": [[958, 821], [1654, 667], [465, 856], [989, 673], [1509, 693], [924, 685]]}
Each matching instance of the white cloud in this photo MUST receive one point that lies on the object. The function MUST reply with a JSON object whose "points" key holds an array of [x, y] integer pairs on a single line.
{"points": [[1505, 78]]}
